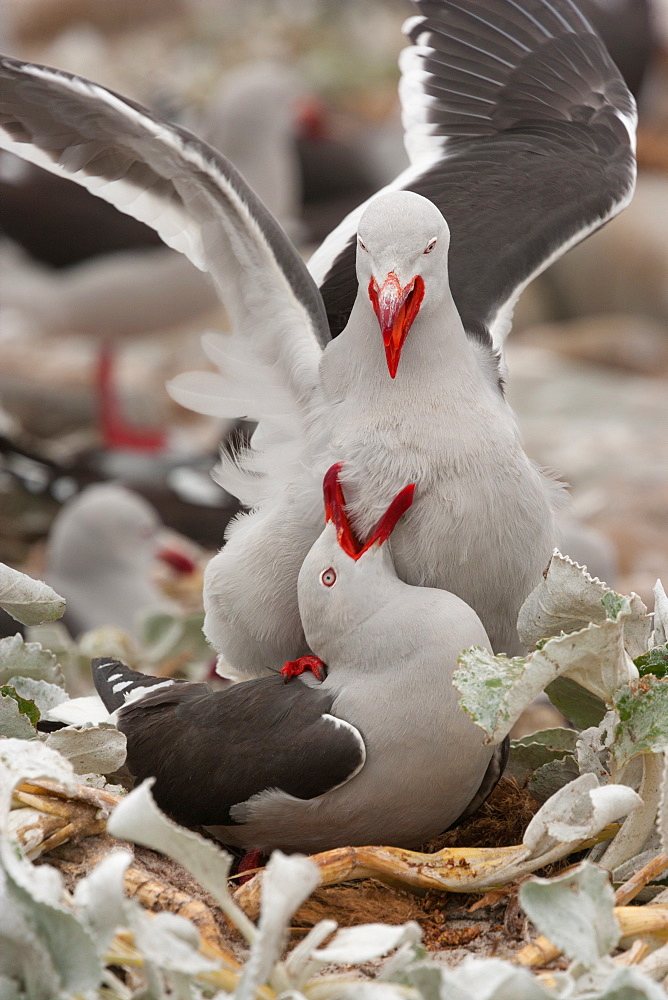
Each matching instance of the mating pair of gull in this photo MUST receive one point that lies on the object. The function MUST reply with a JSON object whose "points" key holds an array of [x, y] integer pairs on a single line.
{"points": [[520, 129]]}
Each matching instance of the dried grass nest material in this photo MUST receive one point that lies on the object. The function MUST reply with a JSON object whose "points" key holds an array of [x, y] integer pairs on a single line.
{"points": [[69, 827]]}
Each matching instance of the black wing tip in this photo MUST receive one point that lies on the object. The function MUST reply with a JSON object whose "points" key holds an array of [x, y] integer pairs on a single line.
{"points": [[114, 680]]}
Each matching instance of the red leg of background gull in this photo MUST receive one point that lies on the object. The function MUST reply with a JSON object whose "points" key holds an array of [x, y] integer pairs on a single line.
{"points": [[293, 668], [116, 433], [254, 859]]}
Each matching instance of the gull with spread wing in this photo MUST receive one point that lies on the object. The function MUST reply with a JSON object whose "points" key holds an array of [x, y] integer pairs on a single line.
{"points": [[520, 131]]}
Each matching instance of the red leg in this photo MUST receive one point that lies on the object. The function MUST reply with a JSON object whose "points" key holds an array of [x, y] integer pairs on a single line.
{"points": [[293, 668], [250, 861], [116, 433]]}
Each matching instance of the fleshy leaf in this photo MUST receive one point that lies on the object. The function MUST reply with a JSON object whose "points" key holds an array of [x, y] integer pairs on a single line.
{"points": [[90, 749], [26, 705], [44, 694], [568, 599], [14, 723], [654, 661], [531, 752], [575, 911], [615, 605], [286, 883], [28, 659], [29, 601], [579, 706], [553, 775], [474, 979], [660, 635], [99, 898], [170, 942], [577, 811], [496, 690], [643, 719], [137, 818], [354, 945]]}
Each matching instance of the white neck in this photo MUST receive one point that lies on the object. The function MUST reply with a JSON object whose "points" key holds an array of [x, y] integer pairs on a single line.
{"points": [[438, 360]]}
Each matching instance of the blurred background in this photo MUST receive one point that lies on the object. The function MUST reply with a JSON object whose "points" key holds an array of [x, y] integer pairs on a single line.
{"points": [[95, 314]]}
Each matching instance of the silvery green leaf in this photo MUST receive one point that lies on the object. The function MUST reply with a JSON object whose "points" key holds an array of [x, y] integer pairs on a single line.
{"points": [[28, 659], [592, 749], [654, 661], [27, 600], [568, 599], [660, 635], [299, 964], [643, 719], [90, 749], [25, 962], [71, 948], [575, 911], [137, 818], [582, 708], [474, 979], [552, 776], [662, 817], [362, 990], [608, 982], [37, 891], [44, 694], [355, 945], [531, 752], [576, 812], [13, 722], [496, 690], [286, 883], [169, 942]]}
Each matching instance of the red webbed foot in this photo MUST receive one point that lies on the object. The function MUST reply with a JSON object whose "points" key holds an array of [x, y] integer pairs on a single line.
{"points": [[248, 865], [293, 668]]}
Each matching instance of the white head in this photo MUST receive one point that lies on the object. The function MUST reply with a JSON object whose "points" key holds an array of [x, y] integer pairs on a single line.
{"points": [[402, 260], [342, 583], [105, 528]]}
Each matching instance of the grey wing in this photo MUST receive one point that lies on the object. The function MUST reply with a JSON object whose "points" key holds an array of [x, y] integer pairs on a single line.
{"points": [[211, 752], [521, 130], [188, 192]]}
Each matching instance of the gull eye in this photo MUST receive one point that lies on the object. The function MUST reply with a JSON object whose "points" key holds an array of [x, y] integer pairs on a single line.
{"points": [[430, 245], [328, 577], [362, 247]]}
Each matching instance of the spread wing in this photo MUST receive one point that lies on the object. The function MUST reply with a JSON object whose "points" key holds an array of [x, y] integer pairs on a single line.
{"points": [[521, 130], [211, 750], [196, 201]]}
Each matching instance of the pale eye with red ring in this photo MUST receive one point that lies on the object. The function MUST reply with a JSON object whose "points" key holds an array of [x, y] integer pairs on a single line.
{"points": [[430, 246], [361, 245], [328, 577]]}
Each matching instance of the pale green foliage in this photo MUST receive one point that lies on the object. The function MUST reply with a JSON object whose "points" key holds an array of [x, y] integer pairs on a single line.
{"points": [[27, 600], [53, 944]]}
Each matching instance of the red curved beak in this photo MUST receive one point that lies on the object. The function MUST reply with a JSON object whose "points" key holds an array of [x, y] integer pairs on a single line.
{"points": [[336, 514], [396, 308]]}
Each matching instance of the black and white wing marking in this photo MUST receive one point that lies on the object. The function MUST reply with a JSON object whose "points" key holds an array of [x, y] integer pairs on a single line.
{"points": [[209, 751], [117, 684], [188, 192], [521, 130]]}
